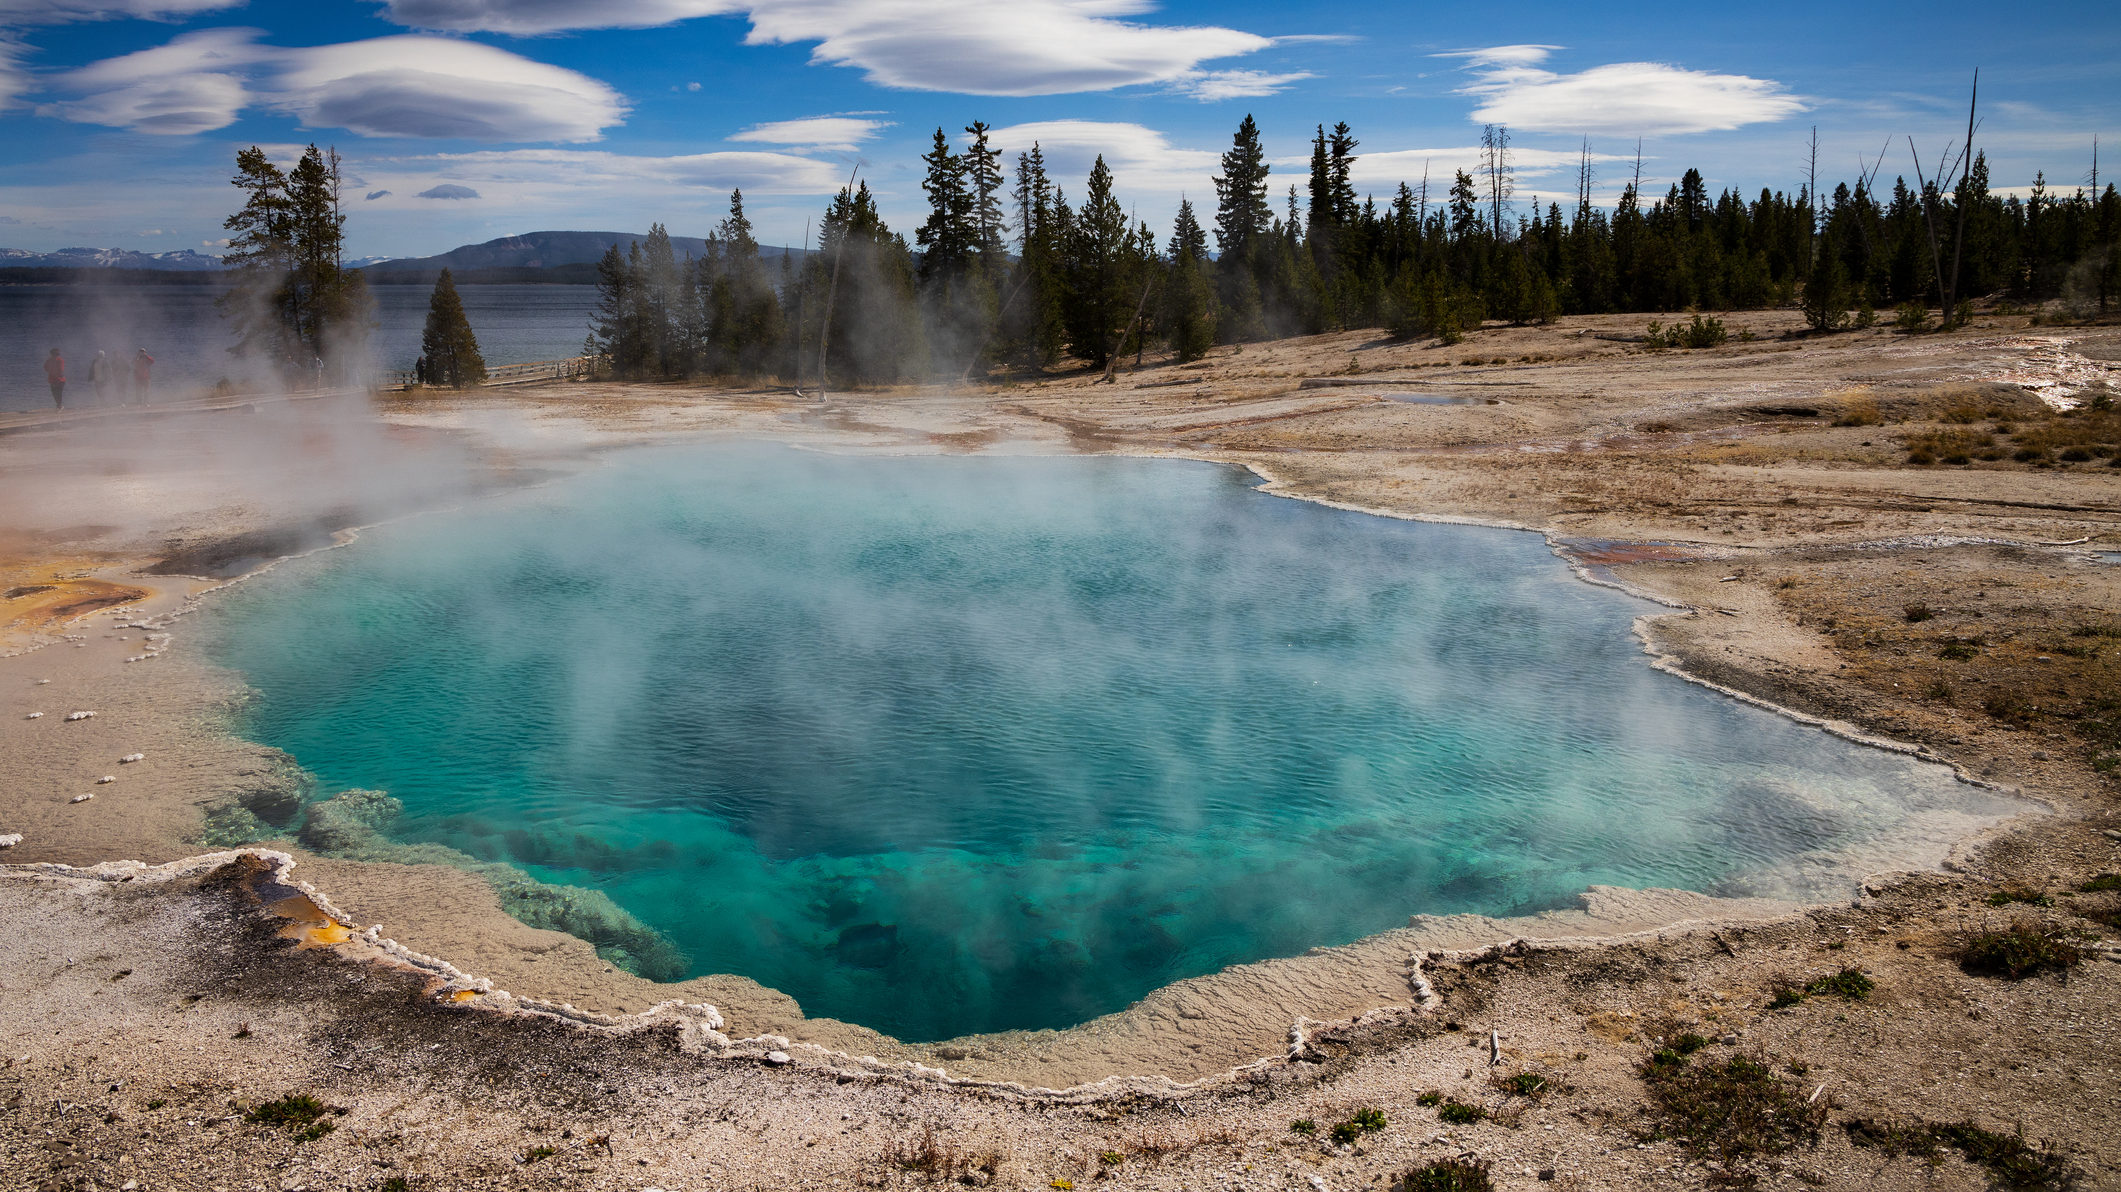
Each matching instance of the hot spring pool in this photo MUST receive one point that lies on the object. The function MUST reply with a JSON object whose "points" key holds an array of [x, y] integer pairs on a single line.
{"points": [[951, 745]]}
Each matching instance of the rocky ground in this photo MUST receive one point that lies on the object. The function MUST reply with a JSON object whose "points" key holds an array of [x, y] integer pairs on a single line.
{"points": [[1774, 489]]}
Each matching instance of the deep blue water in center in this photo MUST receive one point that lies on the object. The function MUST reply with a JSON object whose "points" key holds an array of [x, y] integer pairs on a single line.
{"points": [[947, 745]]}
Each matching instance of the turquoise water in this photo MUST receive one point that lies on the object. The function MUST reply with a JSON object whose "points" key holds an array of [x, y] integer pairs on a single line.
{"points": [[946, 745]]}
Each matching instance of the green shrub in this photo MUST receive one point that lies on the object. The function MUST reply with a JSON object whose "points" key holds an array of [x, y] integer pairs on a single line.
{"points": [[1448, 1175], [2104, 882], [1430, 1098], [2019, 951], [1848, 983], [1523, 1084], [1303, 1126], [1731, 1110], [1918, 612], [2011, 1162], [2019, 894], [1699, 333], [1458, 1113], [299, 1113], [294, 1109], [1363, 1121], [1912, 317]]}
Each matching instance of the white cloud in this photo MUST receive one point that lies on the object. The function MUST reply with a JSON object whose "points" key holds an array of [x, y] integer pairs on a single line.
{"points": [[406, 85], [1142, 159], [842, 133], [974, 47], [1617, 99], [413, 86], [53, 12], [1211, 86], [1383, 172], [193, 84], [526, 17], [14, 80], [448, 190], [564, 176]]}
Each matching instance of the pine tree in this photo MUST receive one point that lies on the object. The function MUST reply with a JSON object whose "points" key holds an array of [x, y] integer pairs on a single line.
{"points": [[616, 330], [1826, 298], [1241, 211], [326, 295], [1188, 313], [451, 350], [874, 318], [946, 239], [262, 252], [294, 300], [1099, 299], [659, 306], [1031, 327], [744, 320], [983, 185]]}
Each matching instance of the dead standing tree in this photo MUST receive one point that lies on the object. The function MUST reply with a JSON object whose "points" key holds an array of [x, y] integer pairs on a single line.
{"points": [[832, 288], [1962, 168]]}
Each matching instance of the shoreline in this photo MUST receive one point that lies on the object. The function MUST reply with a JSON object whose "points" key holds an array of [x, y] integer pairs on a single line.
{"points": [[1621, 913], [1776, 665]]}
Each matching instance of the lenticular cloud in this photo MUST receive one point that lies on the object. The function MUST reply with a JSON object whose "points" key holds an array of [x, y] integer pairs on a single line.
{"points": [[408, 86], [1620, 98], [1030, 47]]}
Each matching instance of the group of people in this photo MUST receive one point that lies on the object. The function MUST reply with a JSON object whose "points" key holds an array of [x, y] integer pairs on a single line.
{"points": [[106, 374]]}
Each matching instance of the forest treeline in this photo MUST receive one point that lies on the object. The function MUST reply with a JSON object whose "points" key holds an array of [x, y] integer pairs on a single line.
{"points": [[1008, 271]]}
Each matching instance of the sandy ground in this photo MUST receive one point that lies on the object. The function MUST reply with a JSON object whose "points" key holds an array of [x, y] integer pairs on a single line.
{"points": [[1794, 549]]}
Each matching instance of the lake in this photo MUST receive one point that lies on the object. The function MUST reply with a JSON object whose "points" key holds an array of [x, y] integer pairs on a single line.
{"points": [[180, 327]]}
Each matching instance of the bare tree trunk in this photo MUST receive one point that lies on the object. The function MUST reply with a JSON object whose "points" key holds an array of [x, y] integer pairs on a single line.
{"points": [[1929, 221], [1112, 356], [1966, 173], [1811, 196], [832, 289], [988, 338], [799, 312]]}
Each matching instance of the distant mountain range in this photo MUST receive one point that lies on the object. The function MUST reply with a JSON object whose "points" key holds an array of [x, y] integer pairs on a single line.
{"points": [[182, 260], [530, 258], [535, 257]]}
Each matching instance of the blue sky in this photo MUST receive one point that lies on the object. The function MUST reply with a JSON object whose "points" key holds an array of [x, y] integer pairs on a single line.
{"points": [[471, 119]]}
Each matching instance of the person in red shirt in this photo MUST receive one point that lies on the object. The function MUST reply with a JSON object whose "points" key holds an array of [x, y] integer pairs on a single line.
{"points": [[55, 372], [142, 362]]}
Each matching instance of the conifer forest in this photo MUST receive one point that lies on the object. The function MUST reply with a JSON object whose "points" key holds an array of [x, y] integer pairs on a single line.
{"points": [[1011, 271]]}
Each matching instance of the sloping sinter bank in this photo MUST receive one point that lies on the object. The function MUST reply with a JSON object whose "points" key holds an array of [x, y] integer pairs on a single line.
{"points": [[950, 745]]}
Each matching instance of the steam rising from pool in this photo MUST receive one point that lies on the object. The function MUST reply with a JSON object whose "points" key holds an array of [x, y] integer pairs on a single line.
{"points": [[948, 745]]}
